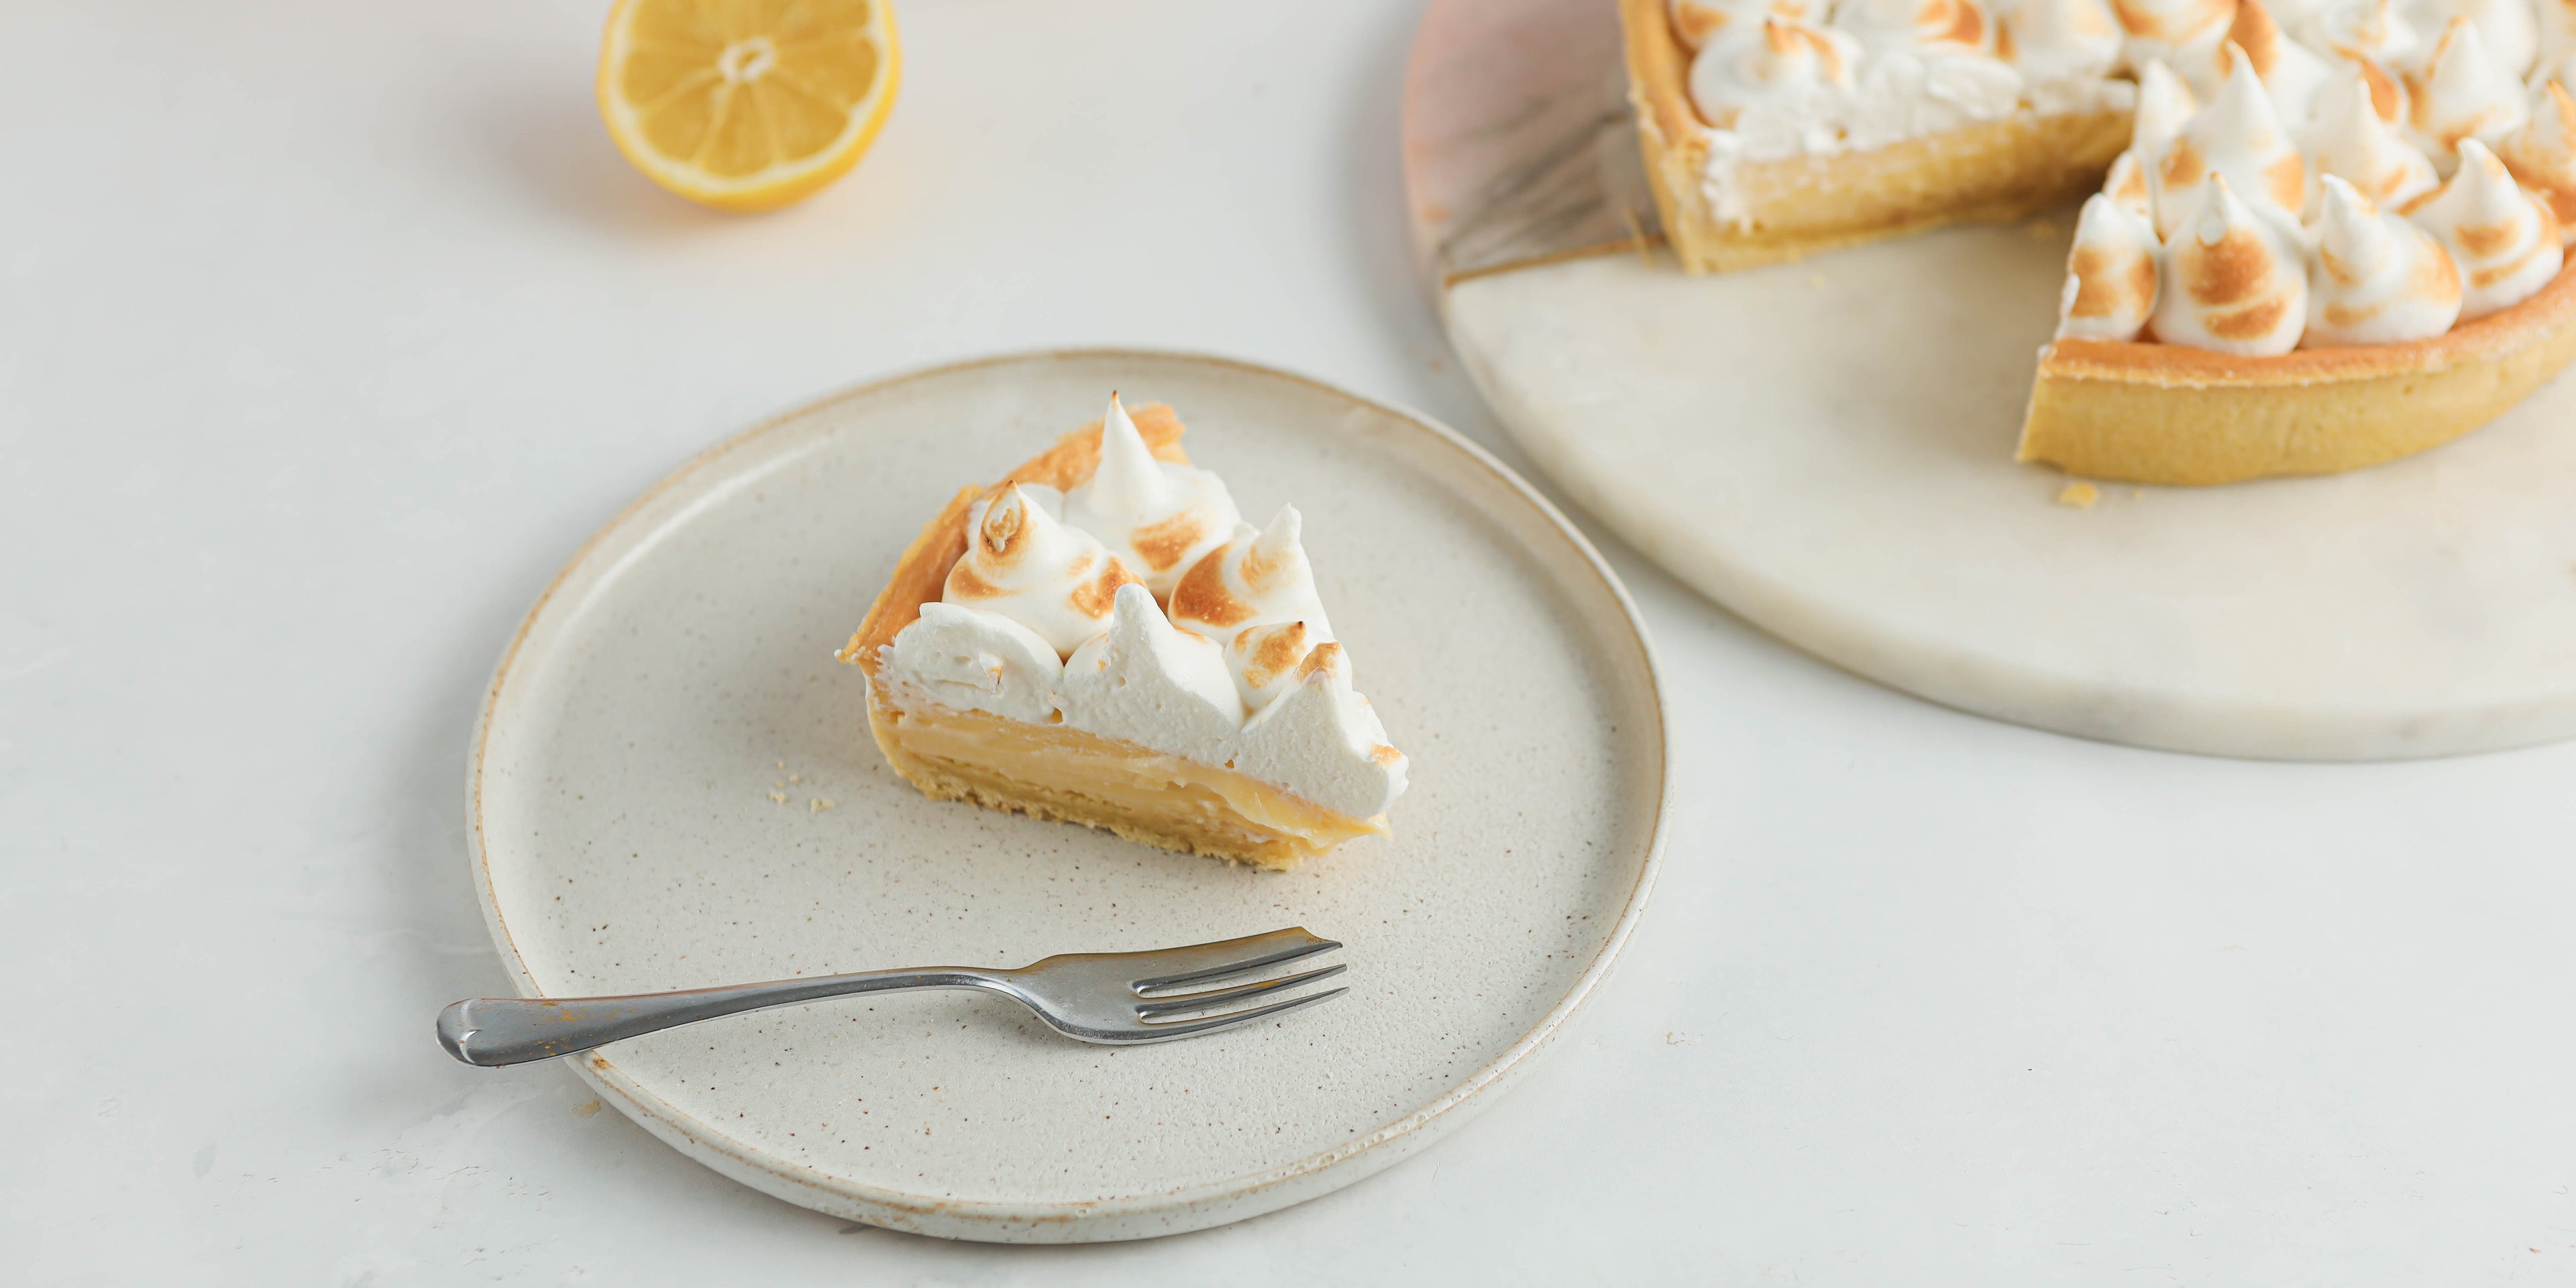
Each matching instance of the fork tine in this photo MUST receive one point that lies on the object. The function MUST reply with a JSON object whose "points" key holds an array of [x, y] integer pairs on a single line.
{"points": [[1199, 963], [1192, 1028], [1219, 997]]}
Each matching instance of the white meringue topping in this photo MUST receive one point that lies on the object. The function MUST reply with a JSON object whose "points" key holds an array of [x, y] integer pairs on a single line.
{"points": [[2542, 155], [2565, 74], [1255, 577], [1322, 734], [1908, 93], [2375, 278], [1151, 683], [2290, 72], [1246, 594], [2351, 142], [2239, 136], [2049, 39], [1027, 565], [2127, 186], [2235, 278], [2508, 28], [2505, 241], [978, 661], [2165, 105], [2182, 34], [2557, 32], [1697, 22], [2463, 94], [1265, 658], [1935, 26], [2371, 29], [1157, 516], [1801, 72], [2110, 274]]}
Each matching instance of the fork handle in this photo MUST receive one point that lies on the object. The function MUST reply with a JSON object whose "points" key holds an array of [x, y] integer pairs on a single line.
{"points": [[494, 1031]]}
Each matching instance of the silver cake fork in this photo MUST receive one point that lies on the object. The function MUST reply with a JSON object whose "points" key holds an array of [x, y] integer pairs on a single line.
{"points": [[1115, 998]]}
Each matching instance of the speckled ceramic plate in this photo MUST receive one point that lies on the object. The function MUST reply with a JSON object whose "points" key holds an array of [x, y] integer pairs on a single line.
{"points": [[672, 786]]}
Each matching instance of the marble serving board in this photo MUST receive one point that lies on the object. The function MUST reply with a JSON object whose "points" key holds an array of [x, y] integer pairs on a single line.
{"points": [[1826, 449]]}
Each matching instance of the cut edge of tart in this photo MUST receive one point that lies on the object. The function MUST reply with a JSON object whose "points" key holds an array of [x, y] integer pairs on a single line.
{"points": [[1995, 170], [2169, 414], [1055, 771]]}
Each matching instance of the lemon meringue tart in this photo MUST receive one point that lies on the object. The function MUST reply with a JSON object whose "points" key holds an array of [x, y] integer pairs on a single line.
{"points": [[2321, 271], [2334, 237], [1100, 639], [1774, 129]]}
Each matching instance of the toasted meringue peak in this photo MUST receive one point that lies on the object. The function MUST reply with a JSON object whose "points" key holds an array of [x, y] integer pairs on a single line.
{"points": [[1025, 564], [2182, 34], [2053, 38], [2508, 28], [1321, 710], [2351, 142], [2564, 73], [977, 661], [1697, 22], [1266, 659], [1157, 516], [2371, 29], [2387, 92], [2126, 186], [1781, 62], [2238, 135], [2290, 73], [2542, 154], [2165, 104], [2505, 240], [1942, 26], [2465, 93], [1256, 577], [2374, 278], [1151, 683], [2110, 274], [2235, 279]]}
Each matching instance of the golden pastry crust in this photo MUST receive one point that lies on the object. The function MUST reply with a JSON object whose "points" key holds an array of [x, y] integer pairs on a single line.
{"points": [[2142, 412], [1992, 170]]}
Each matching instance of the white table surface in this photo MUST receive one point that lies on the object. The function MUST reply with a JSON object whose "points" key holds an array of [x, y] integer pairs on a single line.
{"points": [[328, 330]]}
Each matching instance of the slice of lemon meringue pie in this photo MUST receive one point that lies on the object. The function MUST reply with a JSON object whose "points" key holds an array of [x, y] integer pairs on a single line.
{"points": [[1100, 638]]}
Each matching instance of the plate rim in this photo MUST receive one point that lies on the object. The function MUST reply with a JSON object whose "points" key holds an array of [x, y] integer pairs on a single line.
{"points": [[1196, 1206]]}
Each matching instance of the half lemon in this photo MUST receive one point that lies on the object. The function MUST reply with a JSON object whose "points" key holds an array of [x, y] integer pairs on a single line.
{"points": [[747, 104]]}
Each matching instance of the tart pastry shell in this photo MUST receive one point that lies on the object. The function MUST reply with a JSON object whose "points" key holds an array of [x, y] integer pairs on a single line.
{"points": [[2141, 412]]}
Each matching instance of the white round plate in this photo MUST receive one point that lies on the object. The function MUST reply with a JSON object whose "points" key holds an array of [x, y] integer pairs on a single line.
{"points": [[1826, 448], [673, 786]]}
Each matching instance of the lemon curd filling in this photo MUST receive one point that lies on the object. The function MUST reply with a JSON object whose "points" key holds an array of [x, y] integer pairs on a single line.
{"points": [[1057, 772]]}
